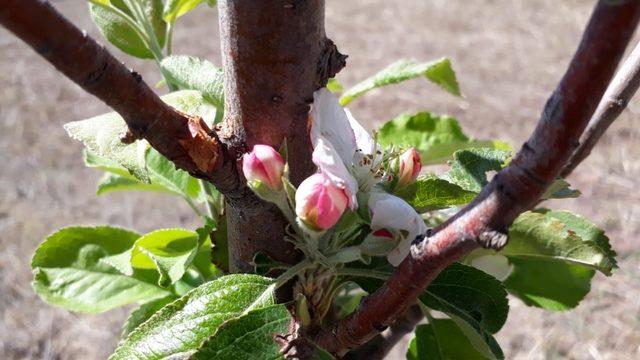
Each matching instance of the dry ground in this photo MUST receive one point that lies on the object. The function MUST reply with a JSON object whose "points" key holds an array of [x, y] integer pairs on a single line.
{"points": [[509, 55]]}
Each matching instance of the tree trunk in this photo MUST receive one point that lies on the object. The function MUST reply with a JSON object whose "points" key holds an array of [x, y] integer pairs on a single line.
{"points": [[275, 55]]}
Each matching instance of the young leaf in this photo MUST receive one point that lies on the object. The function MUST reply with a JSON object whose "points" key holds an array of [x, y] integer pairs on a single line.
{"points": [[436, 137], [428, 194], [560, 189], [92, 160], [551, 285], [560, 236], [101, 134], [164, 173], [112, 182], [470, 166], [438, 72], [168, 251], [441, 339], [142, 314], [471, 294], [173, 9], [117, 24], [249, 336], [192, 73], [68, 271], [180, 328]]}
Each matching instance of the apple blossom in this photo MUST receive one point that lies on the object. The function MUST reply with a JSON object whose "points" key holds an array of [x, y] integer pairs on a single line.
{"points": [[265, 165], [319, 202], [409, 167]]}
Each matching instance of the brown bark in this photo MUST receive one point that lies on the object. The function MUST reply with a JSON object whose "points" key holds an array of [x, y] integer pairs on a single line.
{"points": [[275, 55], [184, 139], [512, 191]]}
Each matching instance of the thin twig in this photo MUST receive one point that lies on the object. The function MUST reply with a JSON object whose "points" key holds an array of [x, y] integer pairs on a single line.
{"points": [[512, 191], [622, 88], [184, 139]]}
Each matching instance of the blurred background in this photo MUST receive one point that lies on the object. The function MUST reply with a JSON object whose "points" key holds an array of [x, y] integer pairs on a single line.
{"points": [[508, 54]]}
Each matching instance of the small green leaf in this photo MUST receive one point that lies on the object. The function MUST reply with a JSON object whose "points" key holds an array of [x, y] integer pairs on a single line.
{"points": [[469, 168], [441, 339], [92, 160], [101, 135], [112, 182], [180, 328], [142, 314], [192, 73], [114, 20], [438, 72], [169, 251], [560, 189], [220, 248], [249, 336], [68, 271], [428, 194], [560, 236], [551, 285], [173, 9], [163, 172], [436, 137]]}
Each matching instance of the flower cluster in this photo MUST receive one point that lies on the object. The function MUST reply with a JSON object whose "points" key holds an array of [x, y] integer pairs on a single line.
{"points": [[353, 173]]}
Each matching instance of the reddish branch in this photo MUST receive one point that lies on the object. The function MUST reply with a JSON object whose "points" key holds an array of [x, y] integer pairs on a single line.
{"points": [[275, 55], [184, 139], [623, 86], [515, 189]]}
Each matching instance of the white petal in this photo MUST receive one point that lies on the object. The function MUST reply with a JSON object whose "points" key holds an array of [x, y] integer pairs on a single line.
{"points": [[329, 163], [391, 212], [329, 120], [364, 141]]}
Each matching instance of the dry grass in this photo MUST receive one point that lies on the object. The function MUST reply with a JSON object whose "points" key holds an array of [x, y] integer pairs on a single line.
{"points": [[508, 55]]}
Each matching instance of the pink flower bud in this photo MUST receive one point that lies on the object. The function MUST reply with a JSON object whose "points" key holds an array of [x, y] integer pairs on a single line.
{"points": [[265, 165], [320, 203], [409, 168]]}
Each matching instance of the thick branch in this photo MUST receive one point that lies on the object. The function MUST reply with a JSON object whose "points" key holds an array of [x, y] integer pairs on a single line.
{"points": [[275, 55], [622, 88], [515, 189], [184, 139]]}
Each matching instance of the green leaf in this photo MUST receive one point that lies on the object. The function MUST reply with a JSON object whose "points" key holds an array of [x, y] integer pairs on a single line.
{"points": [[560, 236], [168, 251], [435, 137], [92, 160], [68, 271], [554, 255], [560, 189], [101, 134], [204, 260], [142, 314], [428, 194], [173, 9], [112, 182], [469, 168], [116, 23], [441, 339], [220, 250], [180, 328], [438, 72], [475, 300], [192, 73], [552, 285], [164, 173], [471, 294], [250, 336]]}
